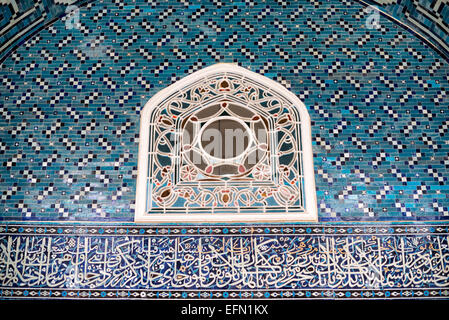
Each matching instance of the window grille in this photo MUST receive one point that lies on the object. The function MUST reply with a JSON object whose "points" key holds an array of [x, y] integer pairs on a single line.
{"points": [[225, 145]]}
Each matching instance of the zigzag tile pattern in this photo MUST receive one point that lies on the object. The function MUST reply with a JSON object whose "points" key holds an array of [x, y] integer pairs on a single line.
{"points": [[308, 262], [70, 102], [430, 18]]}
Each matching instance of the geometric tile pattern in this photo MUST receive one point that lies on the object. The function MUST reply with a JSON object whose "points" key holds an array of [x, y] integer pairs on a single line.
{"points": [[20, 19], [224, 262], [70, 101], [430, 18], [199, 184]]}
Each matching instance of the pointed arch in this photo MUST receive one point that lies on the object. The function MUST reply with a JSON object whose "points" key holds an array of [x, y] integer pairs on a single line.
{"points": [[277, 185]]}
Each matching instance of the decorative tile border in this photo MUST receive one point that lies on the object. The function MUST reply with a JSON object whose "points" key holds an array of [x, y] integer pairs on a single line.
{"points": [[57, 293], [224, 262]]}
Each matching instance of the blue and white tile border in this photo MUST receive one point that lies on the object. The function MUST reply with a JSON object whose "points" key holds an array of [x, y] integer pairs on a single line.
{"points": [[205, 262]]}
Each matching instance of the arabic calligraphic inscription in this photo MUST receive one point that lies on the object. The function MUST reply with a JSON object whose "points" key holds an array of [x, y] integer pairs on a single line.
{"points": [[198, 262]]}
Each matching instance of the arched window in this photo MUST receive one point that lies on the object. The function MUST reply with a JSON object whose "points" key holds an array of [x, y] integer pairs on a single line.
{"points": [[225, 145]]}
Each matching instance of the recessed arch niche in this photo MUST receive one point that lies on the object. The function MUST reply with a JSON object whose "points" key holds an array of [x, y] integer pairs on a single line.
{"points": [[225, 144]]}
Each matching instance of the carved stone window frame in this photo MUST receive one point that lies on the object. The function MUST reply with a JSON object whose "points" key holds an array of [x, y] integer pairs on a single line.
{"points": [[146, 211]]}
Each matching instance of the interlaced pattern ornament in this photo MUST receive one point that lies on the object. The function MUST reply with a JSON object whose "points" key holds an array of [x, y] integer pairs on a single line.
{"points": [[185, 175]]}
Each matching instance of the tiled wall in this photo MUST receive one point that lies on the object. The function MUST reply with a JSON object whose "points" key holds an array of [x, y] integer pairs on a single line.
{"points": [[70, 103], [71, 99], [20, 19], [429, 18], [69, 117], [223, 262]]}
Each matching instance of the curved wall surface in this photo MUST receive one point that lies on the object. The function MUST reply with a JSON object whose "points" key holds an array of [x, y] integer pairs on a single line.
{"points": [[21, 19], [429, 18], [70, 100]]}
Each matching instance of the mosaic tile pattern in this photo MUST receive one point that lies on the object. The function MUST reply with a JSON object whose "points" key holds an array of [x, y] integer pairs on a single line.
{"points": [[265, 179], [430, 18], [20, 19], [70, 102], [224, 262]]}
